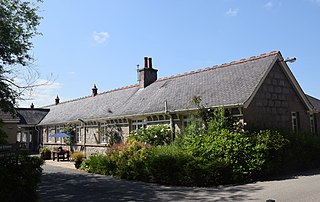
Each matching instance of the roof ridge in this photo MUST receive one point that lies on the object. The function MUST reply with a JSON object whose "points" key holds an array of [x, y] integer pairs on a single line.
{"points": [[28, 108], [263, 55], [89, 96]]}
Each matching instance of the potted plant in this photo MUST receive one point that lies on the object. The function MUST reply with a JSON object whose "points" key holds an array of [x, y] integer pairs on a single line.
{"points": [[45, 153], [78, 157]]}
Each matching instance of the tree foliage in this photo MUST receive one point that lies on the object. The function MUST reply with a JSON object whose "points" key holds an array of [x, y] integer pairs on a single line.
{"points": [[18, 24]]}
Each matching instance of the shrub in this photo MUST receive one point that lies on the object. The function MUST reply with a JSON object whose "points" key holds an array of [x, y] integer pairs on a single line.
{"points": [[154, 135], [45, 153], [246, 154], [19, 177], [125, 161], [170, 165], [100, 164], [210, 151], [77, 156], [302, 152], [164, 164], [129, 160]]}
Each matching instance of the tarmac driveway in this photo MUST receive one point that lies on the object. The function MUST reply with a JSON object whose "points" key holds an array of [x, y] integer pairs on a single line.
{"points": [[61, 182]]}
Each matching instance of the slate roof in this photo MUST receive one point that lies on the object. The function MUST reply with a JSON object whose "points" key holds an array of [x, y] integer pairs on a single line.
{"points": [[30, 116], [315, 102], [6, 116], [227, 84]]}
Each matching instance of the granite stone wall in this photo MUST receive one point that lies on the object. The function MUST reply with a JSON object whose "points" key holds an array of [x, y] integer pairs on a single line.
{"points": [[273, 104]]}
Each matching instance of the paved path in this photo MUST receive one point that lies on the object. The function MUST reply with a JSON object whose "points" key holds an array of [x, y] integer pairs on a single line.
{"points": [[62, 182]]}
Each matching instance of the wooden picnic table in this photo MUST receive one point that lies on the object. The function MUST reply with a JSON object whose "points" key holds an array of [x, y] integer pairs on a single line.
{"points": [[60, 154]]}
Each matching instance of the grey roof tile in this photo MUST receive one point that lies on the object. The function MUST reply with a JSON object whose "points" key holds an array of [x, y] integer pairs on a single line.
{"points": [[227, 84], [30, 116], [315, 102]]}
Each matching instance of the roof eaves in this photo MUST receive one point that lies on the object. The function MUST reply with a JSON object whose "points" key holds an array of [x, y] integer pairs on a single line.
{"points": [[295, 83], [247, 102]]}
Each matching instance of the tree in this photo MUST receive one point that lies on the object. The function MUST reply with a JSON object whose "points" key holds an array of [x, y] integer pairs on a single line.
{"points": [[18, 24]]}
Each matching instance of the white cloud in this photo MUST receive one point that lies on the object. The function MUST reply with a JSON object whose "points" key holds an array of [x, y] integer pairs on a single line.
{"points": [[100, 37], [71, 73], [315, 1], [269, 4], [232, 12], [42, 95]]}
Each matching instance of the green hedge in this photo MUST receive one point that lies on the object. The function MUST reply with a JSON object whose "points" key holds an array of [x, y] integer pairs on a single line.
{"points": [[210, 157], [19, 178]]}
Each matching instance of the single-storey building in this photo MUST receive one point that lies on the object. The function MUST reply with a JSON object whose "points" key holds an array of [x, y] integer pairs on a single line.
{"points": [[28, 132], [260, 90]]}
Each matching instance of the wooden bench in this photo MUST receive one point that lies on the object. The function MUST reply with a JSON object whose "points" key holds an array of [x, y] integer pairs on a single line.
{"points": [[61, 155]]}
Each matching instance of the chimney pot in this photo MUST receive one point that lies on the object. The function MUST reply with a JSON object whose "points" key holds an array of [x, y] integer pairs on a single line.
{"points": [[147, 75], [32, 106], [57, 100], [150, 63], [146, 62], [94, 90]]}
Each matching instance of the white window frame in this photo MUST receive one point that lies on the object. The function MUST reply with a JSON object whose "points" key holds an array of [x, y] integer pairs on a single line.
{"points": [[312, 124], [19, 136], [58, 139], [137, 124], [295, 121], [51, 131], [78, 134], [103, 134]]}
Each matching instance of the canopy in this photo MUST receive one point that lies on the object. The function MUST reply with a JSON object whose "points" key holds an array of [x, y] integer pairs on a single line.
{"points": [[61, 135]]}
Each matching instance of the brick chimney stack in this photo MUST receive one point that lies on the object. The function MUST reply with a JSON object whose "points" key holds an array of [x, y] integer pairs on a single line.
{"points": [[147, 75], [57, 100], [94, 90]]}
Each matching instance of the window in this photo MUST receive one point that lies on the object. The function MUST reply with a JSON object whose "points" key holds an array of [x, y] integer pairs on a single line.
{"points": [[51, 131], [19, 136], [186, 120], [78, 134], [312, 125], [137, 124], [295, 121], [103, 134], [58, 139]]}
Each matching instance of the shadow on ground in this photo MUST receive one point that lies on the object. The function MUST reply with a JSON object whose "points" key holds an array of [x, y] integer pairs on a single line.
{"points": [[62, 184]]}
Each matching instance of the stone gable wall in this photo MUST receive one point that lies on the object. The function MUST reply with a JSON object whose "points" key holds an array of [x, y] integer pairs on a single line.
{"points": [[273, 103]]}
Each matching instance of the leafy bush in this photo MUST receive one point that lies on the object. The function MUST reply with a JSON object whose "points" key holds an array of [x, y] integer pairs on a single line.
{"points": [[206, 154], [154, 135], [246, 154], [45, 153], [164, 164], [129, 159], [301, 153], [77, 155], [123, 160], [99, 163], [19, 177]]}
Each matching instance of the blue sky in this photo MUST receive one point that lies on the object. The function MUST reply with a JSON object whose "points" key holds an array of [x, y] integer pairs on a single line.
{"points": [[101, 41]]}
